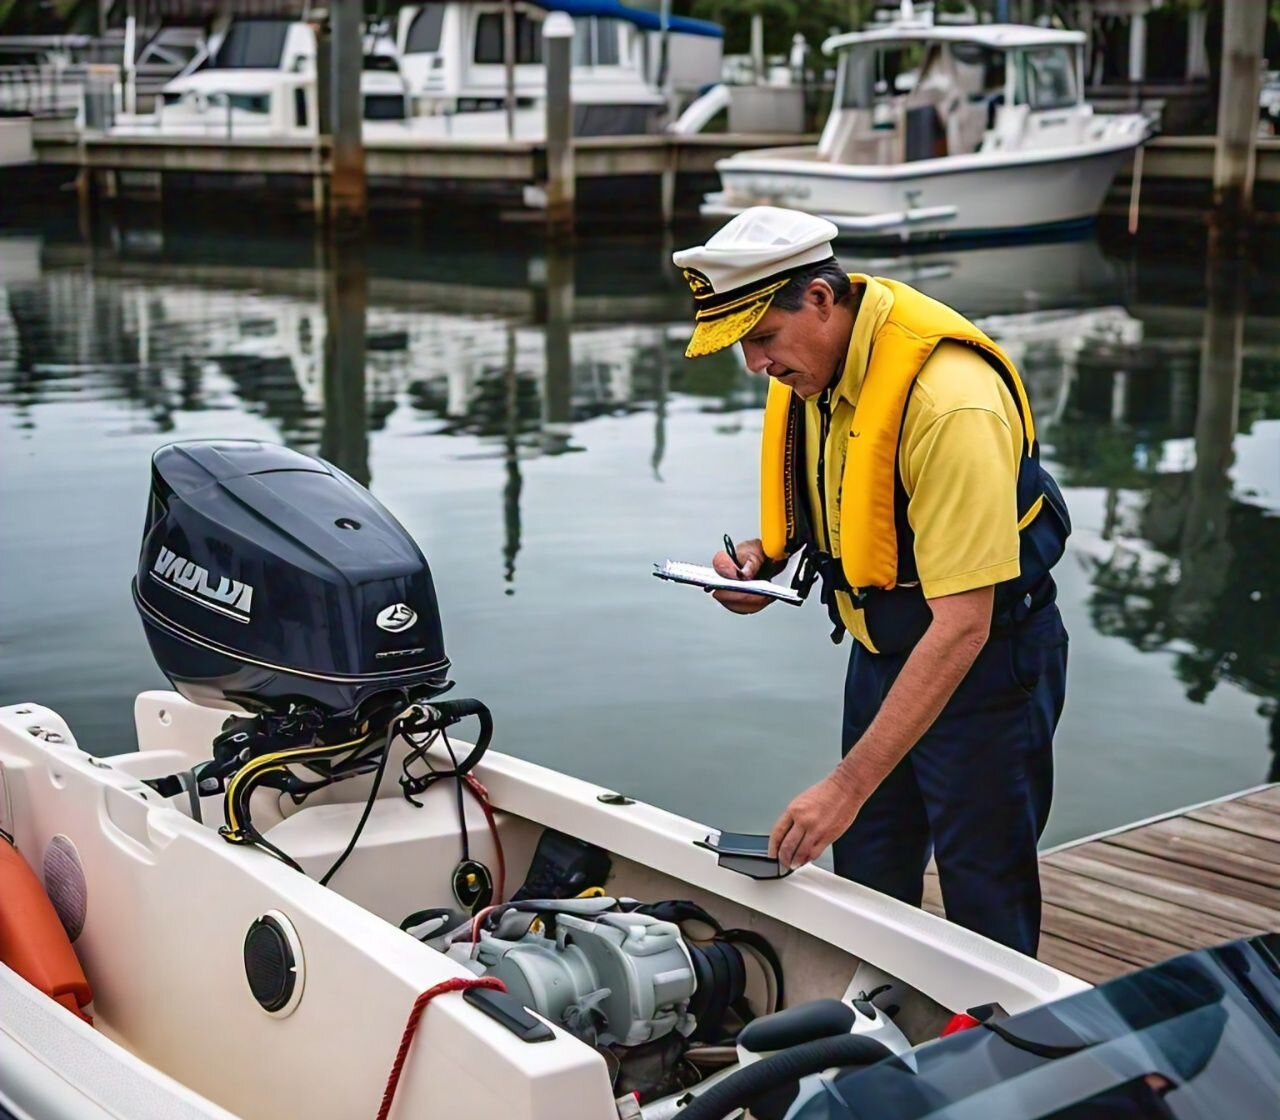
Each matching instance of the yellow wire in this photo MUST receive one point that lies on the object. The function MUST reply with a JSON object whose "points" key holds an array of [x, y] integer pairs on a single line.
{"points": [[276, 760]]}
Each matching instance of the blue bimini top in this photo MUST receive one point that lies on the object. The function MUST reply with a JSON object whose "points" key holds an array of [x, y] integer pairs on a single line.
{"points": [[650, 21]]}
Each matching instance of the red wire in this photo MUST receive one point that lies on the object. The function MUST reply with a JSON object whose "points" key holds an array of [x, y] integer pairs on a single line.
{"points": [[456, 984], [482, 796]]}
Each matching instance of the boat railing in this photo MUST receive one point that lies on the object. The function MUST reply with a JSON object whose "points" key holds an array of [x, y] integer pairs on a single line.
{"points": [[42, 90], [212, 114]]}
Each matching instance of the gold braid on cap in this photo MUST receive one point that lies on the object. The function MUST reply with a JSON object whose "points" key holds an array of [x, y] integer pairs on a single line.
{"points": [[710, 304]]}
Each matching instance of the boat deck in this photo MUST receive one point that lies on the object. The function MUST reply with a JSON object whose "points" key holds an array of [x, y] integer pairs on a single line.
{"points": [[1141, 894]]}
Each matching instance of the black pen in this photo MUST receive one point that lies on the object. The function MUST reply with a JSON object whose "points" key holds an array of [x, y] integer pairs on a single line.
{"points": [[728, 547]]}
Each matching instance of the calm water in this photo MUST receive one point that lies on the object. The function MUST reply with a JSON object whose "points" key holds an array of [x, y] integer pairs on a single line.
{"points": [[533, 423]]}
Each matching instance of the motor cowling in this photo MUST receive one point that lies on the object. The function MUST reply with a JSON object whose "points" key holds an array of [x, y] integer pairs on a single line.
{"points": [[269, 579]]}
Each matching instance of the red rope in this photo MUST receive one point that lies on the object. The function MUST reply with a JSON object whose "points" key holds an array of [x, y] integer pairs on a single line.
{"points": [[457, 984]]}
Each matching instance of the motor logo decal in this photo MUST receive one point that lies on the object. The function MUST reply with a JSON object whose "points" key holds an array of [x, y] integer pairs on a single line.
{"points": [[227, 596], [397, 617]]}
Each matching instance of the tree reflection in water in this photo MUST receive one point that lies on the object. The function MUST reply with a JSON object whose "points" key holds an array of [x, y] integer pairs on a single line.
{"points": [[1194, 563]]}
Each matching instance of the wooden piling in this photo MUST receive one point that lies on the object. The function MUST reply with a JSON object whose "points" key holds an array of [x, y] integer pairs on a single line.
{"points": [[348, 202], [509, 65], [557, 45], [1235, 158]]}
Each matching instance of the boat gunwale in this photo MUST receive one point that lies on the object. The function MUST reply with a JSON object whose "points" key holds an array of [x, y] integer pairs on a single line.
{"points": [[759, 161]]}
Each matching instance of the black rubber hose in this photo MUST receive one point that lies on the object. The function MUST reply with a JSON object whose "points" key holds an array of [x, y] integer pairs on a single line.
{"points": [[743, 1088], [454, 711]]}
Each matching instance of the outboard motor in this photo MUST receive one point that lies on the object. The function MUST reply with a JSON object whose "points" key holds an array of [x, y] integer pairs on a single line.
{"points": [[270, 581]]}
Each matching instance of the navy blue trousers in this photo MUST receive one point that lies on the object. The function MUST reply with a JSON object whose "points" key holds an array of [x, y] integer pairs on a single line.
{"points": [[974, 791]]}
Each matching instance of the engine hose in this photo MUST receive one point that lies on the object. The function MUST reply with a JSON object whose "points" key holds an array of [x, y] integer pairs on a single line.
{"points": [[450, 712], [742, 1089]]}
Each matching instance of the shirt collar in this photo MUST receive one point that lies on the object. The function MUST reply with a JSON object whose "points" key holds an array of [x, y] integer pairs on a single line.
{"points": [[877, 302]]}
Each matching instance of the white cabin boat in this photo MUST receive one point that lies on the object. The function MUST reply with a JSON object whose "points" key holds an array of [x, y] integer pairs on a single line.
{"points": [[453, 56], [945, 131], [258, 80]]}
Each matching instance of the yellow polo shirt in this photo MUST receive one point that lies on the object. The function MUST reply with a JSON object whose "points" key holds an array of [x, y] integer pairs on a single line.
{"points": [[958, 459]]}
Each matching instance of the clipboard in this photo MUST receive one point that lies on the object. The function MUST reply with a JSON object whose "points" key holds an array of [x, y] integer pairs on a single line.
{"points": [[698, 575], [746, 853]]}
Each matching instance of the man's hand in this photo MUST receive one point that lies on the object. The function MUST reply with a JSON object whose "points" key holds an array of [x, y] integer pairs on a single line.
{"points": [[751, 553], [932, 671], [813, 820]]}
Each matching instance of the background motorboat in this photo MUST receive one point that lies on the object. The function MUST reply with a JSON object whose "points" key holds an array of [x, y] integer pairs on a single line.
{"points": [[945, 131]]}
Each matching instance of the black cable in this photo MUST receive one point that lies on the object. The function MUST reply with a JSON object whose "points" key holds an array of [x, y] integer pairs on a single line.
{"points": [[282, 856], [419, 754], [462, 809], [368, 805]]}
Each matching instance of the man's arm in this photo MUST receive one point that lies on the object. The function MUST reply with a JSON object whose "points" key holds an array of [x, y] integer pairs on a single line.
{"points": [[931, 674]]}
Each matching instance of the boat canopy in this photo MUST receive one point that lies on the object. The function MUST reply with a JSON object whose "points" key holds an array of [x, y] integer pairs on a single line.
{"points": [[997, 36], [647, 21]]}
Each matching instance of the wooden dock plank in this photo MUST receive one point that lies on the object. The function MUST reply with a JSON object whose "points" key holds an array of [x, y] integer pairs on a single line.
{"points": [[1264, 799], [1195, 879], [1160, 918], [1207, 895], [1128, 899], [1080, 960], [1106, 937], [1238, 817], [1211, 882], [1206, 846]]}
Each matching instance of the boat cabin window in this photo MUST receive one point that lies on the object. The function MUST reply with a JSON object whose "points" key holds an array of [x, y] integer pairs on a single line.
{"points": [[382, 62], [249, 102], [489, 38], [256, 44], [980, 70], [874, 75], [1046, 78], [300, 107], [595, 41], [424, 31], [384, 107]]}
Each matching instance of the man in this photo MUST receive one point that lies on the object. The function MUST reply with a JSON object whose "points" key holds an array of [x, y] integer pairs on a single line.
{"points": [[899, 453]]}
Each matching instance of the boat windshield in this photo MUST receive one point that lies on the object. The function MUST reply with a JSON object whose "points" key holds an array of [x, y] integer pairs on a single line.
{"points": [[874, 74], [424, 31], [1046, 78], [491, 40], [595, 41], [256, 44], [1197, 1036]]}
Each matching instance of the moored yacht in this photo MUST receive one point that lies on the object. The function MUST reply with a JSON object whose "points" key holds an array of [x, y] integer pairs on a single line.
{"points": [[453, 54], [945, 131], [258, 80]]}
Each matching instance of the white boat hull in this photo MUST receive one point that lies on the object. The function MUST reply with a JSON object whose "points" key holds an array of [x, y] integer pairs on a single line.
{"points": [[948, 197], [169, 903]]}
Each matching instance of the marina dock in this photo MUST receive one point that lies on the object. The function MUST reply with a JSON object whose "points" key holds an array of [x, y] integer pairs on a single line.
{"points": [[682, 166], [1145, 892], [118, 166]]}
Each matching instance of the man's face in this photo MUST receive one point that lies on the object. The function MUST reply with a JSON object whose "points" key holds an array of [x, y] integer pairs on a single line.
{"points": [[803, 349]]}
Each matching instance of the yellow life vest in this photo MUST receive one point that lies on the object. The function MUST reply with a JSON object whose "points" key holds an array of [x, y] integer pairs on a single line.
{"points": [[867, 541]]}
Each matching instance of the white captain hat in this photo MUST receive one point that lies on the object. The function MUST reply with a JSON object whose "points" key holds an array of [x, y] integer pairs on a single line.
{"points": [[735, 275]]}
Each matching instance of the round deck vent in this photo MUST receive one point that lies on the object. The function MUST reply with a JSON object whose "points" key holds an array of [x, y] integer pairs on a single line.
{"points": [[273, 963], [64, 883]]}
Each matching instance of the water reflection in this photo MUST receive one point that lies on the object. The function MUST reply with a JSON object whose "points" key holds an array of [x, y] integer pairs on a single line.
{"points": [[1189, 559], [454, 369]]}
